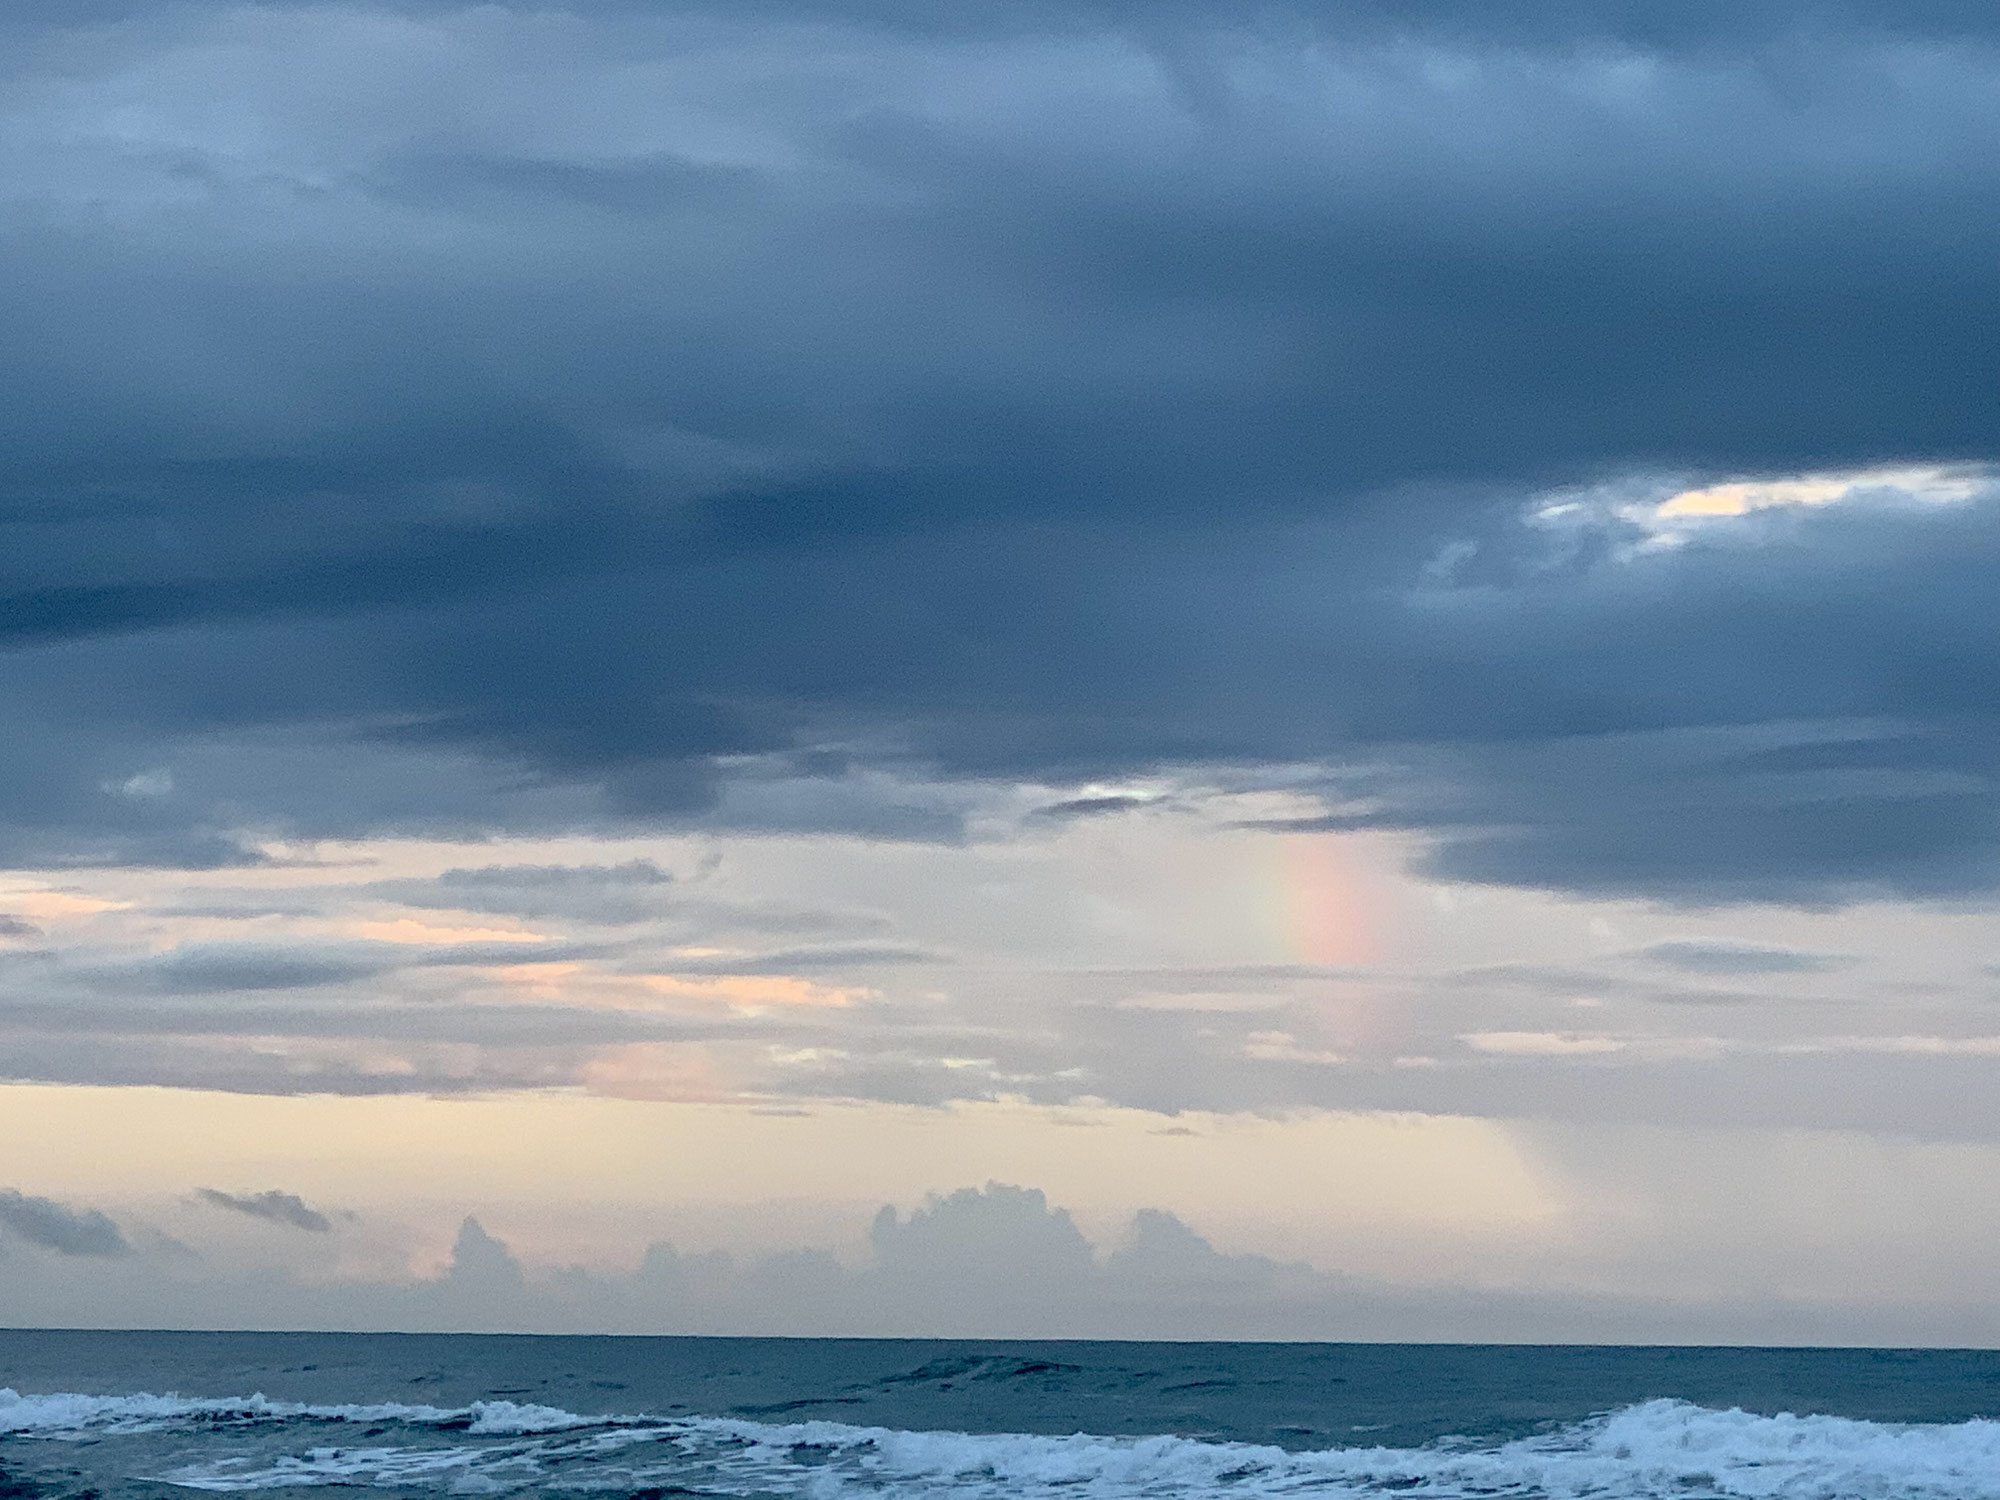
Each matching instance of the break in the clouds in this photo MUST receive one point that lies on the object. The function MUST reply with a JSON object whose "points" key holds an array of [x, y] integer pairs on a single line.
{"points": [[459, 420], [1164, 958]]}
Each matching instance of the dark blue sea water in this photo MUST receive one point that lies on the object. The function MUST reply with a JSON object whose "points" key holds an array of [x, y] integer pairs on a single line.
{"points": [[164, 1414]]}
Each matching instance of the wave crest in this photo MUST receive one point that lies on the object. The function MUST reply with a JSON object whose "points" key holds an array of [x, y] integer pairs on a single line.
{"points": [[68, 1413], [1658, 1450]]}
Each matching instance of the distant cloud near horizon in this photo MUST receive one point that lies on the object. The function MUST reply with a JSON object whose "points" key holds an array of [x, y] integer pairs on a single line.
{"points": [[272, 1206], [59, 1227], [996, 1261]]}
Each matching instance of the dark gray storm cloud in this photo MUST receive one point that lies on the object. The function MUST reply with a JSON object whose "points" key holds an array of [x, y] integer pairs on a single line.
{"points": [[58, 1227], [273, 1206], [448, 419]]}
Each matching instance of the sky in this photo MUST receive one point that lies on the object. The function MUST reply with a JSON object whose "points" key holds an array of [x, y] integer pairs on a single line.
{"points": [[1142, 667]]}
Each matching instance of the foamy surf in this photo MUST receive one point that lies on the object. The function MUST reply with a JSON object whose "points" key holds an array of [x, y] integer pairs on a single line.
{"points": [[69, 1414], [1658, 1450]]}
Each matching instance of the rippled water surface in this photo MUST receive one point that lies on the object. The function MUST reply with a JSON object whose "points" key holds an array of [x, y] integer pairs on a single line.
{"points": [[161, 1414]]}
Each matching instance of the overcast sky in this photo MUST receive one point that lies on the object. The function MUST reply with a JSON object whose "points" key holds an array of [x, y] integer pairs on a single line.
{"points": [[1357, 640]]}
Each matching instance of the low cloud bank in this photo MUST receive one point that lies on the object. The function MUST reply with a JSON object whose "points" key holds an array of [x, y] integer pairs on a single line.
{"points": [[998, 1261]]}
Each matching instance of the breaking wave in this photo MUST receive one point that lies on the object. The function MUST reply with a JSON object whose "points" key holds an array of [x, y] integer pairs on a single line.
{"points": [[74, 1415], [1658, 1450]]}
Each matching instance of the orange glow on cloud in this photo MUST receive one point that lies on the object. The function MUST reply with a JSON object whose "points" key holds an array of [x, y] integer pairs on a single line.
{"points": [[540, 981], [1740, 497], [578, 984], [46, 906], [680, 1071]]}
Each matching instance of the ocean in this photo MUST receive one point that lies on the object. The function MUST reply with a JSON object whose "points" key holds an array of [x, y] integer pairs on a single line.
{"points": [[97, 1414]]}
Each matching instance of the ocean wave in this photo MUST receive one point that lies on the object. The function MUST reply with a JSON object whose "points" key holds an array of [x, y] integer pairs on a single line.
{"points": [[1658, 1450], [68, 1414]]}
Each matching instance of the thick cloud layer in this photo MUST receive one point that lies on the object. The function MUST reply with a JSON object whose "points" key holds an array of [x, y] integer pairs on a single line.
{"points": [[460, 419]]}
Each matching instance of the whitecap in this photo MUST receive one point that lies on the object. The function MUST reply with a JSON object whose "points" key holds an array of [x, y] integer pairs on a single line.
{"points": [[1658, 1450]]}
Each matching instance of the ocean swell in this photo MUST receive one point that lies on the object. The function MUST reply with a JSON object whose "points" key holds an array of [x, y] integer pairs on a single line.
{"points": [[1657, 1450], [68, 1414]]}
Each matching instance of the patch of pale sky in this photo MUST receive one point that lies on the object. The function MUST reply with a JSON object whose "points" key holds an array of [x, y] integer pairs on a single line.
{"points": [[532, 1160], [1668, 520], [1935, 483], [1418, 1200], [1156, 908]]}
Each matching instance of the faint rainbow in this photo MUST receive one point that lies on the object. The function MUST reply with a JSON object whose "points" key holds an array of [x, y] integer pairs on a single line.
{"points": [[1327, 907]]}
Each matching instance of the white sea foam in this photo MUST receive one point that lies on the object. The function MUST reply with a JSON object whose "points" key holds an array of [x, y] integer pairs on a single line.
{"points": [[71, 1414], [1658, 1449], [1661, 1450]]}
